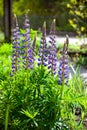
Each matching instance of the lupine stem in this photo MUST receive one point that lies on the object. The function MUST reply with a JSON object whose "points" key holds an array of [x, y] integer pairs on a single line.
{"points": [[16, 48], [63, 66], [43, 48], [34, 49], [52, 50], [27, 50], [7, 117]]}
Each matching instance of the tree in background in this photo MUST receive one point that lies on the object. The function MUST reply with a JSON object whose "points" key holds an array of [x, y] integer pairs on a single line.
{"points": [[47, 9], [71, 15], [78, 10], [40, 7]]}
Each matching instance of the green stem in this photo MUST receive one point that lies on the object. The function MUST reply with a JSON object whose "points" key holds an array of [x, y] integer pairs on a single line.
{"points": [[6, 117], [61, 96]]}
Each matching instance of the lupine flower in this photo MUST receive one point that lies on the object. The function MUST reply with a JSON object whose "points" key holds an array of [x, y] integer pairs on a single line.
{"points": [[42, 60], [33, 49], [16, 48], [27, 50], [63, 66], [52, 58]]}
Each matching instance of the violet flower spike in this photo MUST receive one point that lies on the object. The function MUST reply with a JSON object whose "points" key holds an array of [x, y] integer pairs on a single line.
{"points": [[27, 50], [42, 60], [63, 66], [52, 58], [16, 48], [34, 49]]}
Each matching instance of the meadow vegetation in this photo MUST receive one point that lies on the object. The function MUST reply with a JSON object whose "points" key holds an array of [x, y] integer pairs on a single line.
{"points": [[33, 96]]}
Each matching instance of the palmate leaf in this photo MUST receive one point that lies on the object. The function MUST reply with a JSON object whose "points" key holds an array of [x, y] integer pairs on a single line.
{"points": [[29, 113]]}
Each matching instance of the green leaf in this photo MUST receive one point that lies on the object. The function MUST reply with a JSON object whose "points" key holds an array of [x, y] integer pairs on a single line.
{"points": [[29, 114]]}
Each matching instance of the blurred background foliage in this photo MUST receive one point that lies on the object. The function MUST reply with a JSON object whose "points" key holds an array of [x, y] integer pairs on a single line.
{"points": [[71, 15]]}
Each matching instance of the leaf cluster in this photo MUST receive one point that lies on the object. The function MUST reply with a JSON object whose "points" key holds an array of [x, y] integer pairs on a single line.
{"points": [[34, 100]]}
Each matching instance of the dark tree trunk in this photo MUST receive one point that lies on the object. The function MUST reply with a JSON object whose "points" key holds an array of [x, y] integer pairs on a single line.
{"points": [[7, 19]]}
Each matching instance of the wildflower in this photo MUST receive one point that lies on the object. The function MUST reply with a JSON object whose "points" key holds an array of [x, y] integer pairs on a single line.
{"points": [[27, 50], [33, 49], [43, 48], [16, 48], [52, 58], [63, 66]]}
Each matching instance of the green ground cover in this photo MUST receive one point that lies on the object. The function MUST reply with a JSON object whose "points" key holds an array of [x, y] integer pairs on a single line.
{"points": [[34, 100]]}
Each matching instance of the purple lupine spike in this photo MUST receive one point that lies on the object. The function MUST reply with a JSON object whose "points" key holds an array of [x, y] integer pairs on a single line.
{"points": [[27, 50], [52, 58], [63, 66], [33, 49], [42, 60], [16, 48]]}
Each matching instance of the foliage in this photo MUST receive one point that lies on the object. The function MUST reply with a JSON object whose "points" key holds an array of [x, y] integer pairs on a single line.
{"points": [[41, 7], [5, 50], [5, 60], [1, 9], [1, 36], [33, 104], [72, 13], [32, 99], [45, 10], [32, 33], [74, 21], [81, 60], [78, 10]]}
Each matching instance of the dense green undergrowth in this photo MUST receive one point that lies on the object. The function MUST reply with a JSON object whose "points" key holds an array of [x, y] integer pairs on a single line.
{"points": [[33, 100]]}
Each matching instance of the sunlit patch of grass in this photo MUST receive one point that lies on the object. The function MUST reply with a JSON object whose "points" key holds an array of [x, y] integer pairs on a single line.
{"points": [[1, 37]]}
